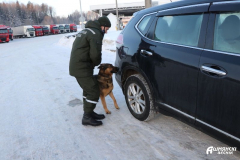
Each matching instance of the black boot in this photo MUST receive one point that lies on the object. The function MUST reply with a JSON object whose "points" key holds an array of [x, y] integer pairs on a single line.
{"points": [[97, 116], [88, 120]]}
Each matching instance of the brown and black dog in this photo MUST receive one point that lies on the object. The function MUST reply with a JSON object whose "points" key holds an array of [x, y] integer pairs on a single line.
{"points": [[104, 78]]}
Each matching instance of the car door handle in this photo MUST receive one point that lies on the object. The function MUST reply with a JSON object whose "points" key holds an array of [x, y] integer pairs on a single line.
{"points": [[212, 70], [144, 52]]}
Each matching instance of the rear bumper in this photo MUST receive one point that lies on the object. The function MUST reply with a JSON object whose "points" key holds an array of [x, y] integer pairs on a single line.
{"points": [[118, 75]]}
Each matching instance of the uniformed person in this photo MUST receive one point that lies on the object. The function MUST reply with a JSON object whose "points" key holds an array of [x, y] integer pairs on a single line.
{"points": [[85, 55]]}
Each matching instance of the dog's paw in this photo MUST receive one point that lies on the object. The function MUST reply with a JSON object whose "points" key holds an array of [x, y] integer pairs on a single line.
{"points": [[108, 112], [116, 106]]}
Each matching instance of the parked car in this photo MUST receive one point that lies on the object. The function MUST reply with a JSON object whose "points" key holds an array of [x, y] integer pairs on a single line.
{"points": [[73, 28], [184, 58], [4, 36], [23, 31]]}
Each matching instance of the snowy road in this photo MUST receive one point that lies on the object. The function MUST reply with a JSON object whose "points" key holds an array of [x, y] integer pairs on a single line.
{"points": [[41, 111]]}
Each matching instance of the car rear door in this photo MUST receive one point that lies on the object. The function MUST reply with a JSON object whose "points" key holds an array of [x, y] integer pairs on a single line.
{"points": [[218, 104], [169, 56]]}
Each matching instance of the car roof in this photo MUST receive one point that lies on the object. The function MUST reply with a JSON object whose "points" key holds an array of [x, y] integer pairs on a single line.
{"points": [[178, 4]]}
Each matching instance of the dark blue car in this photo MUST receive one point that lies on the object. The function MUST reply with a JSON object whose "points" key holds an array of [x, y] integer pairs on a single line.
{"points": [[184, 58]]}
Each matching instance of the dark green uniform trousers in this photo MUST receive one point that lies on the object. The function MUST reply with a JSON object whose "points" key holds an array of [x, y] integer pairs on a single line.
{"points": [[91, 92]]}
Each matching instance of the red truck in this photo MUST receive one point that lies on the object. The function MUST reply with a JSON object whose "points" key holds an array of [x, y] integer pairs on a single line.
{"points": [[38, 31], [54, 29], [4, 36], [45, 30], [10, 32], [73, 28]]}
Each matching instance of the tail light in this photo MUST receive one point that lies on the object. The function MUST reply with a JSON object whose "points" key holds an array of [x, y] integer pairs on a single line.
{"points": [[120, 46]]}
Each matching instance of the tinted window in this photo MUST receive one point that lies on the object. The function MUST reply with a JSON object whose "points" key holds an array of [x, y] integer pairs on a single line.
{"points": [[184, 29], [227, 32], [30, 29], [142, 26], [3, 31]]}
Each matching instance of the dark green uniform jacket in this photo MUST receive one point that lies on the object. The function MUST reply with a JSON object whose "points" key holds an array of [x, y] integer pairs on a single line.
{"points": [[86, 50]]}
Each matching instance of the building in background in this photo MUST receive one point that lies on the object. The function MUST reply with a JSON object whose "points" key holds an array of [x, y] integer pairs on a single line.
{"points": [[125, 11]]}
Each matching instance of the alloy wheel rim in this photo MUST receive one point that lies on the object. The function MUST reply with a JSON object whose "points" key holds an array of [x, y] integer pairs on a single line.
{"points": [[136, 98]]}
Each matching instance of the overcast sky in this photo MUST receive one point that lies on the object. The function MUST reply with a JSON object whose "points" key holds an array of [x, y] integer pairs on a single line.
{"points": [[66, 7]]}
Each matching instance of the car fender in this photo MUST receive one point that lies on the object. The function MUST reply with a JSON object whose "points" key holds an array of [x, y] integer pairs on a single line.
{"points": [[136, 70]]}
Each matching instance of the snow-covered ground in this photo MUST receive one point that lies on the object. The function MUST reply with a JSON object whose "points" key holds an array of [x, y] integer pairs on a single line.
{"points": [[41, 112]]}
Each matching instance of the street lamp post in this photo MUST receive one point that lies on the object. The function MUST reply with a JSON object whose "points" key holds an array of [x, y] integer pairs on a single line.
{"points": [[81, 19], [148, 3], [117, 15]]}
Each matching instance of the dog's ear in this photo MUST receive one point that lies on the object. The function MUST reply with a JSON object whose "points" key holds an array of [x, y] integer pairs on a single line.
{"points": [[101, 66]]}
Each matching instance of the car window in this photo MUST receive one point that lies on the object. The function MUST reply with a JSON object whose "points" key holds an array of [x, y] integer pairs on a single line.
{"points": [[227, 32], [142, 26], [183, 29]]}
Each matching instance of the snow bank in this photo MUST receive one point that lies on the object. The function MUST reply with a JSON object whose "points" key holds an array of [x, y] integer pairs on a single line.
{"points": [[66, 41], [108, 40]]}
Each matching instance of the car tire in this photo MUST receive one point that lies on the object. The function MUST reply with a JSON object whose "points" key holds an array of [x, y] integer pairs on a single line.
{"points": [[139, 98]]}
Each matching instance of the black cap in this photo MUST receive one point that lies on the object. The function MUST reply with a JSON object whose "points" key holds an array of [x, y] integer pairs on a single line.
{"points": [[104, 21]]}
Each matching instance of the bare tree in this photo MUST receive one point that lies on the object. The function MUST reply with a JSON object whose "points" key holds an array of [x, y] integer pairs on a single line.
{"points": [[17, 14]]}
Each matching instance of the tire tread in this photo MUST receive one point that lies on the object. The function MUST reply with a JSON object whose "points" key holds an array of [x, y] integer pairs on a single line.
{"points": [[152, 113]]}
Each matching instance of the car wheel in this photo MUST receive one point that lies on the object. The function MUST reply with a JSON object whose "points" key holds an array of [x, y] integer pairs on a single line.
{"points": [[139, 98]]}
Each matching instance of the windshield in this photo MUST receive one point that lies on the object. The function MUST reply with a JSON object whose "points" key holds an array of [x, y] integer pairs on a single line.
{"points": [[30, 29], [74, 26], [67, 26], [55, 27], [61, 27], [3, 31], [45, 28], [39, 29]]}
